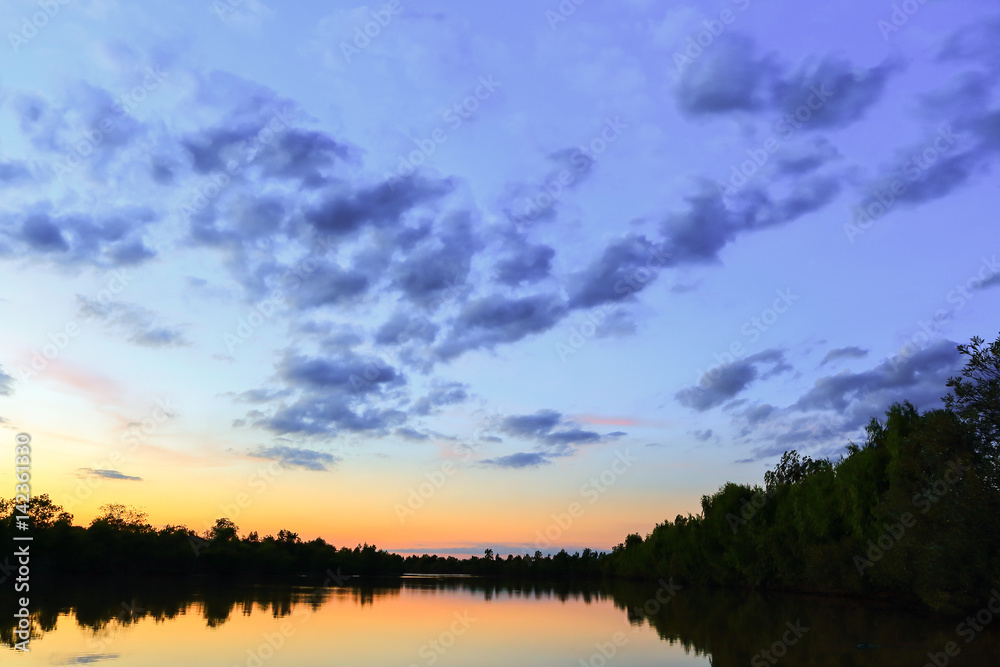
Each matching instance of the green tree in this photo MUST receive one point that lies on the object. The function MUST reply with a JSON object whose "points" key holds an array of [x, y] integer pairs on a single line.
{"points": [[793, 469], [975, 396]]}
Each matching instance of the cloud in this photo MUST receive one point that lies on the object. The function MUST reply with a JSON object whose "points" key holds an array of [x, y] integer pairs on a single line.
{"points": [[725, 382], [851, 352], [731, 77], [992, 281], [575, 436], [541, 426], [526, 264], [836, 392], [329, 284], [447, 393], [697, 235], [109, 240], [262, 395], [838, 407], [440, 264], [13, 172], [6, 384], [345, 212], [532, 426], [411, 434], [964, 138], [977, 42], [518, 460], [727, 77], [702, 436], [405, 326], [624, 268], [296, 457], [337, 393], [83, 658], [107, 474], [844, 92], [348, 371], [488, 321], [137, 322]]}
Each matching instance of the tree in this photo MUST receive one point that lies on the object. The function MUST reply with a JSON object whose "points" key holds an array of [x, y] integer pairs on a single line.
{"points": [[975, 396], [224, 530], [121, 517], [793, 469]]}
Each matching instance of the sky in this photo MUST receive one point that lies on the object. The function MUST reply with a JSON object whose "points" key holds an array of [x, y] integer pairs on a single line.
{"points": [[443, 276]]}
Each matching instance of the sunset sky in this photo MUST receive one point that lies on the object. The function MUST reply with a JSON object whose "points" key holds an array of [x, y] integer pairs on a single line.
{"points": [[446, 275]]}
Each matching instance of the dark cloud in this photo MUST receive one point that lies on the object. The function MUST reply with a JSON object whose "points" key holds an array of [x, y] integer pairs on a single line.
{"points": [[963, 137], [803, 160], [710, 222], [728, 382], [349, 372], [725, 382], [518, 460], [112, 240], [339, 393], [992, 281], [296, 457], [403, 327], [841, 91], [411, 434], [303, 155], [625, 267], [978, 42], [698, 234], [107, 474], [572, 437], [726, 77], [838, 407], [541, 426], [537, 201], [447, 393], [87, 126], [758, 413], [827, 93], [262, 395], [440, 265], [808, 194], [6, 384], [14, 172], [40, 234], [702, 436], [532, 426], [345, 212], [139, 324], [329, 284], [851, 352], [836, 392], [489, 321], [525, 265]]}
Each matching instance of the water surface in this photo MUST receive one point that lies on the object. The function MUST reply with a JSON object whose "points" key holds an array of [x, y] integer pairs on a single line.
{"points": [[472, 622]]}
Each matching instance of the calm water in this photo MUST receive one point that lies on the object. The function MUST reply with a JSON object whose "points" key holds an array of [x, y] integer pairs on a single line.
{"points": [[471, 622]]}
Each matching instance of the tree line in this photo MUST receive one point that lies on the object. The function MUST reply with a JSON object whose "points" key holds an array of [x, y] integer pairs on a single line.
{"points": [[914, 511]]}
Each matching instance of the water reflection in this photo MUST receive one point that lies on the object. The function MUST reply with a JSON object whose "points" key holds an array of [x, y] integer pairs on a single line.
{"points": [[406, 621]]}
